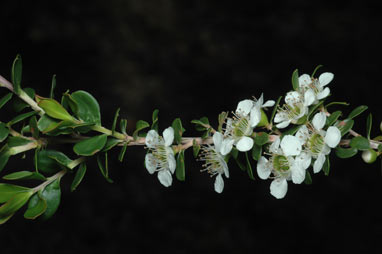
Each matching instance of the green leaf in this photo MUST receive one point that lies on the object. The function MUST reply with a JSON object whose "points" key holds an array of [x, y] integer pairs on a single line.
{"points": [[202, 124], [45, 123], [16, 74], [155, 119], [104, 168], [21, 117], [78, 177], [5, 99], [249, 167], [15, 203], [256, 152], [178, 130], [140, 125], [123, 126], [4, 157], [18, 104], [261, 138], [52, 195], [337, 103], [122, 153], [88, 108], [91, 146], [55, 110], [314, 109], [110, 143], [33, 127], [344, 153], [53, 86], [195, 148], [180, 168], [275, 108], [4, 132], [51, 161], [316, 69], [308, 178], [360, 143], [333, 118], [326, 166], [36, 207], [115, 121], [369, 123], [295, 83], [221, 119], [9, 190], [24, 175], [18, 141], [357, 111], [345, 126], [5, 219]]}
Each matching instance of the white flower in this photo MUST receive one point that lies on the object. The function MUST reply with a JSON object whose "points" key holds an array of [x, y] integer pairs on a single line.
{"points": [[240, 127], [317, 141], [295, 107], [161, 156], [214, 161], [287, 162], [316, 87]]}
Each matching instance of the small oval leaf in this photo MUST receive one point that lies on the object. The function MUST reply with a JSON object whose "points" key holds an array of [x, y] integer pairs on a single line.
{"points": [[91, 146]]}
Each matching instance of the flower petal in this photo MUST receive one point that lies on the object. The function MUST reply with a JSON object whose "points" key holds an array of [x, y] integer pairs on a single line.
{"points": [[283, 124], [150, 163], [280, 117], [244, 107], [168, 136], [219, 183], [262, 168], [260, 101], [317, 166], [226, 146], [171, 162], [309, 97], [279, 188], [225, 167], [319, 120], [325, 78], [152, 139], [302, 134], [268, 103], [292, 98], [298, 173], [304, 159], [244, 144], [332, 137], [255, 116], [304, 80], [323, 94], [165, 178], [274, 148], [291, 145], [218, 139]]}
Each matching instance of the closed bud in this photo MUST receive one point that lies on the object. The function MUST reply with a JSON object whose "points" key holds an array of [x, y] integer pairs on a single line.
{"points": [[264, 119], [369, 156]]}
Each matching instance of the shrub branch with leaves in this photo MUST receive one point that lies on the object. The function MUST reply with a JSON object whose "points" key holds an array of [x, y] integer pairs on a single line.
{"points": [[288, 142]]}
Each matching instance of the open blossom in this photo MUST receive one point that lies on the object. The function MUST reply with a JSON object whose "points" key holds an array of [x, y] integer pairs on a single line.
{"points": [[214, 161], [318, 142], [161, 156], [286, 162], [240, 127], [316, 86], [295, 107]]}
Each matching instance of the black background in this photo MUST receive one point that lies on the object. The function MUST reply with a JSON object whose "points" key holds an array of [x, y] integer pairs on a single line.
{"points": [[191, 59]]}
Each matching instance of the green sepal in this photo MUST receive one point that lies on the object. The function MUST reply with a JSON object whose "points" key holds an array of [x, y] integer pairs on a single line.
{"points": [[52, 195], [9, 190], [5, 99], [86, 107], [16, 74], [21, 117], [345, 153], [52, 87], [4, 132], [104, 167], [261, 138], [24, 175], [360, 143], [333, 118], [263, 119], [155, 120], [140, 125], [369, 123], [55, 110], [180, 171], [178, 130], [357, 111], [308, 178], [36, 207], [115, 121], [78, 177], [295, 83], [122, 153], [256, 152], [15, 203], [195, 148], [249, 167], [221, 120], [326, 166], [91, 146]]}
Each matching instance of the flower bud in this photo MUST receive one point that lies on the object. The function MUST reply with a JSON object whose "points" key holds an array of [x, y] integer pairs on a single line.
{"points": [[369, 156], [264, 120]]}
